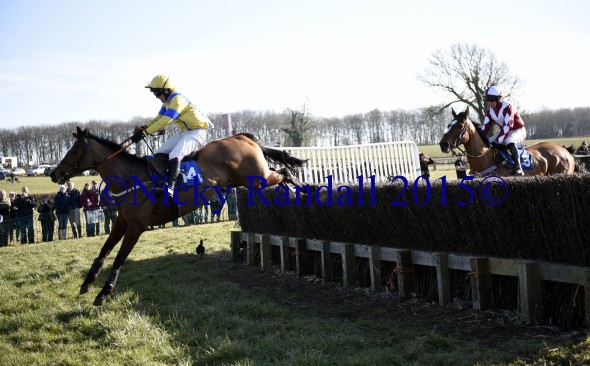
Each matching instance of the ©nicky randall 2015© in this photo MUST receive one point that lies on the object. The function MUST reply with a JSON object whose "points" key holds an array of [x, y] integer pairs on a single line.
{"points": [[323, 195]]}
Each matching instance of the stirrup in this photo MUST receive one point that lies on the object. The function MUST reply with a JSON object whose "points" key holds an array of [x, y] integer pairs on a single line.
{"points": [[518, 171]]}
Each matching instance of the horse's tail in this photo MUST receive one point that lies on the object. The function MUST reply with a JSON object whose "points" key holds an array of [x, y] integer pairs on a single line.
{"points": [[278, 156]]}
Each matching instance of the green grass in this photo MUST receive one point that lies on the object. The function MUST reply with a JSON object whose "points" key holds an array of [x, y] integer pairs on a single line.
{"points": [[171, 308], [43, 184]]}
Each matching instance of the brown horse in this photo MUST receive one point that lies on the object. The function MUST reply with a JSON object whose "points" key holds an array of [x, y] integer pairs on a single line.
{"points": [[239, 160], [548, 158]]}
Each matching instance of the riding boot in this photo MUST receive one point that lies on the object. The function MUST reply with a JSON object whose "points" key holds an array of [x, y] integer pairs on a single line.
{"points": [[517, 170], [173, 175]]}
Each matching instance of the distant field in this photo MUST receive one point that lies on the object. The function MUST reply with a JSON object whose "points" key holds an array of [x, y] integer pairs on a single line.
{"points": [[43, 184]]}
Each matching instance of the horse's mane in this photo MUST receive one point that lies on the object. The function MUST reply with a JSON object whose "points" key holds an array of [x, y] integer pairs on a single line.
{"points": [[114, 147], [479, 129]]}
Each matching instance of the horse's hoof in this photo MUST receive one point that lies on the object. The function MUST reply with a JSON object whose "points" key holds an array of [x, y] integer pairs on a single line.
{"points": [[84, 289], [100, 300]]}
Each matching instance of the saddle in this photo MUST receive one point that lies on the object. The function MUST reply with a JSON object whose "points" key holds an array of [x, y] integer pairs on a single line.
{"points": [[505, 157], [159, 165]]}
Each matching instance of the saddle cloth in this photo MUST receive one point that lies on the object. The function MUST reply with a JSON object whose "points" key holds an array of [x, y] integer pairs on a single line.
{"points": [[526, 162], [189, 170]]}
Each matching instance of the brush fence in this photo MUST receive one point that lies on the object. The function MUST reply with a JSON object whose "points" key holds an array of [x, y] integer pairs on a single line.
{"points": [[529, 273]]}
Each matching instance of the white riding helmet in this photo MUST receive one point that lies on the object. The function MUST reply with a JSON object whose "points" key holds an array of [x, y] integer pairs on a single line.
{"points": [[493, 94]]}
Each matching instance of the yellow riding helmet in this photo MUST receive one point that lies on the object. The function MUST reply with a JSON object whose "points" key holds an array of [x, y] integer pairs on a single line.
{"points": [[160, 82]]}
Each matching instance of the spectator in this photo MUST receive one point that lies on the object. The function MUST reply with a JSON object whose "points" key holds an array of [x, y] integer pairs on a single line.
{"points": [[4, 218], [47, 218], [89, 203], [74, 209], [583, 149], [215, 208], [110, 215], [425, 160], [26, 204], [461, 167], [13, 227], [63, 213]]}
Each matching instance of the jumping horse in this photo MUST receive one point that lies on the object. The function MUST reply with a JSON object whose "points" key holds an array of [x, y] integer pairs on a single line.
{"points": [[233, 161], [548, 158]]}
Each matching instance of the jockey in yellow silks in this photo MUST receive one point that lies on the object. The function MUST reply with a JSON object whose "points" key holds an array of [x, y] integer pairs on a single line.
{"points": [[192, 122]]}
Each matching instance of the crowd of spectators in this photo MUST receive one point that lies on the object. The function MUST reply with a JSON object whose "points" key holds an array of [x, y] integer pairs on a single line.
{"points": [[18, 213]]}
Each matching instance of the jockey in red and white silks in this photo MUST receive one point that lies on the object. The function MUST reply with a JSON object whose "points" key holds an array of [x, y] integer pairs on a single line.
{"points": [[512, 129]]}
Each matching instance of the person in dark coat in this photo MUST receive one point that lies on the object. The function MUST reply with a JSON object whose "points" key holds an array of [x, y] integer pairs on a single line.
{"points": [[62, 211], [4, 218], [26, 205], [47, 218]]}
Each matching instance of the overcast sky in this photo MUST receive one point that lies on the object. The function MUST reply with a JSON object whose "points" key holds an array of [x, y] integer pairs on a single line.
{"points": [[64, 61]]}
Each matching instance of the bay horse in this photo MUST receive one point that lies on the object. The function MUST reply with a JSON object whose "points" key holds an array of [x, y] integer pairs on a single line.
{"points": [[239, 160], [548, 158]]}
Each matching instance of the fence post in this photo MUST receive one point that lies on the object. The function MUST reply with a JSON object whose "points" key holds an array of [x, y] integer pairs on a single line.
{"points": [[251, 250], [236, 238], [265, 257], [481, 284], [405, 273], [301, 257], [349, 270], [531, 299], [327, 275], [441, 261], [587, 297], [375, 268], [285, 254]]}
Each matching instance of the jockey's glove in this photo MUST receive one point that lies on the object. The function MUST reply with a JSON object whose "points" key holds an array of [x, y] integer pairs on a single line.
{"points": [[137, 136], [142, 128]]}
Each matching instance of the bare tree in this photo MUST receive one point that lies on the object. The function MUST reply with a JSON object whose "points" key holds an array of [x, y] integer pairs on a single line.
{"points": [[464, 72], [300, 125]]}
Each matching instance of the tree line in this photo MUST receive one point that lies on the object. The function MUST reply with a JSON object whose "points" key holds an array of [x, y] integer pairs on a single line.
{"points": [[48, 144]]}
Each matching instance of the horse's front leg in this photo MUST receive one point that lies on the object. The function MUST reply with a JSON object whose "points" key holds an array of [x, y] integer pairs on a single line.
{"points": [[131, 237], [114, 237]]}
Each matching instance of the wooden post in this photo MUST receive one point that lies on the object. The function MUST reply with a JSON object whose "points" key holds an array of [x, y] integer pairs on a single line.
{"points": [[531, 298], [441, 260], [481, 284], [327, 275], [349, 270], [251, 250], [587, 297], [236, 238], [301, 257], [405, 273], [265, 256], [285, 254], [375, 268]]}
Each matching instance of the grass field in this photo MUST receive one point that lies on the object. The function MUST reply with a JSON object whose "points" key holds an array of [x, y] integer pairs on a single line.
{"points": [[170, 308]]}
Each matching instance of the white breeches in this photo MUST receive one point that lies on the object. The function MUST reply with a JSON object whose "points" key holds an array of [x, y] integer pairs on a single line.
{"points": [[183, 143]]}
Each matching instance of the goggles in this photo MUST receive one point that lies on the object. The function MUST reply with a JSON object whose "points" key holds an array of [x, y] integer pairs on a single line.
{"points": [[157, 91]]}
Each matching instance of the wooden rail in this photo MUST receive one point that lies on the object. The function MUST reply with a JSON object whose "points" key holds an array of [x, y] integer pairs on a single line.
{"points": [[529, 273]]}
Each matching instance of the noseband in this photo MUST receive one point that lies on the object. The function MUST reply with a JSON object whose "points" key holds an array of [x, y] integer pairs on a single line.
{"points": [[457, 143]]}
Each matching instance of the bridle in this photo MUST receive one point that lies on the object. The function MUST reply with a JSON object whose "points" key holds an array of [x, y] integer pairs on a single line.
{"points": [[457, 143], [76, 166]]}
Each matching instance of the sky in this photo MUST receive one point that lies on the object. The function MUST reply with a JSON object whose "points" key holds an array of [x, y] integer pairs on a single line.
{"points": [[63, 61]]}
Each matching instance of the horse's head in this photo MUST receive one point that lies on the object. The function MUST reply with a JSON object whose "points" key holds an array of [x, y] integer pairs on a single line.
{"points": [[456, 132], [78, 159]]}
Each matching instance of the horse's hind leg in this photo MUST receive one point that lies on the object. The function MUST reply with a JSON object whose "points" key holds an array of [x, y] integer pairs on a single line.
{"points": [[131, 236], [114, 237]]}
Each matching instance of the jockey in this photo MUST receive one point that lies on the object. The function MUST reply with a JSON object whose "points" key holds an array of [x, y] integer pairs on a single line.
{"points": [[176, 108], [512, 129]]}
